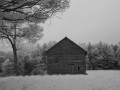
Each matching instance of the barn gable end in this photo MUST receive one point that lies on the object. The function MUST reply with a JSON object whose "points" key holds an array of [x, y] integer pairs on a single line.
{"points": [[65, 46], [66, 57]]}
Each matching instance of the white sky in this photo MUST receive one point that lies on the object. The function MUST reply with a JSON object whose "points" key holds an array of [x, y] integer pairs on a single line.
{"points": [[86, 21]]}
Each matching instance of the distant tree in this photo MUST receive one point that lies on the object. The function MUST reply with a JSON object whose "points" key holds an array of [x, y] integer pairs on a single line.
{"points": [[37, 52], [107, 52], [2, 59], [96, 59], [117, 55], [25, 49], [89, 46], [115, 48], [103, 56], [89, 53], [111, 58]]}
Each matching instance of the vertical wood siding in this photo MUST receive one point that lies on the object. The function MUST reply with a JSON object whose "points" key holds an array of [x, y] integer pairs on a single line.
{"points": [[66, 58]]}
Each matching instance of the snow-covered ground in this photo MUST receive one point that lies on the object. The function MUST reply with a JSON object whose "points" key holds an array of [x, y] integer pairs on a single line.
{"points": [[95, 80]]}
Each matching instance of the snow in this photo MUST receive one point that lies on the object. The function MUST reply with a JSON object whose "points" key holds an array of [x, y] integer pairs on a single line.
{"points": [[95, 80]]}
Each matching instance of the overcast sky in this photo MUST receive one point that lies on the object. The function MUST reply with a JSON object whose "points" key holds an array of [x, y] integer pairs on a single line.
{"points": [[86, 21]]}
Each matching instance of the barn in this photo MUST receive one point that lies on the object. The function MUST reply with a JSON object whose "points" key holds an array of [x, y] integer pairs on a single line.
{"points": [[66, 57]]}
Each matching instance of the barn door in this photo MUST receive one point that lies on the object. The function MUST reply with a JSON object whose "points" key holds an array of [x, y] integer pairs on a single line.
{"points": [[70, 69]]}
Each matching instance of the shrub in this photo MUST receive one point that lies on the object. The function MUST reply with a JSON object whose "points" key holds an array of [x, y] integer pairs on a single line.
{"points": [[38, 71], [7, 68]]}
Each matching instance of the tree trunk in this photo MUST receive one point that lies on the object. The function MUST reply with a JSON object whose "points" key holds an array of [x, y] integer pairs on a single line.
{"points": [[15, 58]]}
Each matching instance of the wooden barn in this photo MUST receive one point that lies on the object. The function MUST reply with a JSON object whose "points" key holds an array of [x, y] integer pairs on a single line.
{"points": [[66, 57]]}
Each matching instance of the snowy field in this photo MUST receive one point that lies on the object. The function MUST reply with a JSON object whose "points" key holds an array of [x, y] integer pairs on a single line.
{"points": [[95, 80]]}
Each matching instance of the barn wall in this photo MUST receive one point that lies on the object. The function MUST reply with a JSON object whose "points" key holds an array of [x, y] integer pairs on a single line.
{"points": [[61, 66], [57, 68]]}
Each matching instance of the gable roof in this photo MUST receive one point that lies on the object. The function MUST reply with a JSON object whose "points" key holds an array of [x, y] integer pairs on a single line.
{"points": [[63, 40]]}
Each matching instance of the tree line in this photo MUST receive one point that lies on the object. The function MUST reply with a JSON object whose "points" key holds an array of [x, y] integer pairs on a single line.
{"points": [[102, 56], [31, 58]]}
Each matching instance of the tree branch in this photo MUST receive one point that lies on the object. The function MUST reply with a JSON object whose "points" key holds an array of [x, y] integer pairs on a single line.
{"points": [[45, 8]]}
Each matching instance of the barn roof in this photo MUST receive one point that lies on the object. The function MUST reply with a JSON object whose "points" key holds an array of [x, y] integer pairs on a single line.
{"points": [[63, 40]]}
